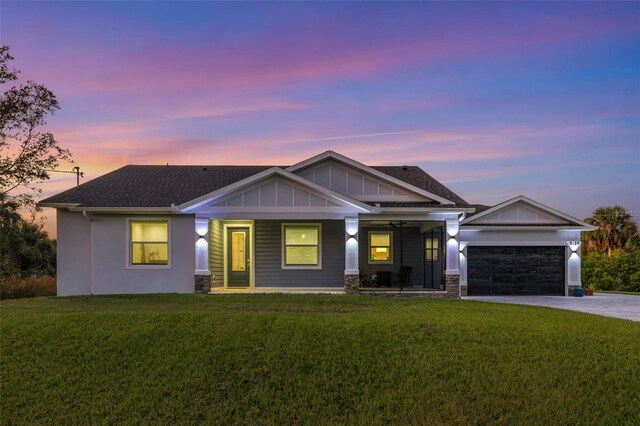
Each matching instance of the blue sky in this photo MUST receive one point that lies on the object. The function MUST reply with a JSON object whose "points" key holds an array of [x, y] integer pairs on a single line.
{"points": [[493, 99]]}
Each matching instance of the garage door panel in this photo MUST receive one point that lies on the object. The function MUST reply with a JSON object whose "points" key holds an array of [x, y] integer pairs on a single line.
{"points": [[526, 270], [528, 290], [503, 270], [503, 261], [501, 279], [515, 270]]}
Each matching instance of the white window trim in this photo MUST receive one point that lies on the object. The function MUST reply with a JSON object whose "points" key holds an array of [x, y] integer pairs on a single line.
{"points": [[128, 264], [283, 239], [380, 262]]}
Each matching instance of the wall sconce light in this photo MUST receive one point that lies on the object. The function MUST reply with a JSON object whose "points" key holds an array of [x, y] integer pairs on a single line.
{"points": [[201, 237], [452, 229], [352, 236], [574, 245]]}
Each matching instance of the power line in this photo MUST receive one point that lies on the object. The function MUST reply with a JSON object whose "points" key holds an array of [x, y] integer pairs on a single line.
{"points": [[76, 171]]}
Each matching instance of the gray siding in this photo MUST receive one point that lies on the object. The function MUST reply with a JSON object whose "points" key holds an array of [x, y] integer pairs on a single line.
{"points": [[268, 262], [216, 257], [412, 253]]}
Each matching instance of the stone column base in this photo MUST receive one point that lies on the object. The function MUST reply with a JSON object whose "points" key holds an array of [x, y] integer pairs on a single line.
{"points": [[202, 284], [463, 290], [352, 283], [452, 286]]}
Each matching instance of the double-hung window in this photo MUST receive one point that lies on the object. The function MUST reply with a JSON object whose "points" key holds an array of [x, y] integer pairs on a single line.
{"points": [[301, 246], [148, 242], [380, 247]]}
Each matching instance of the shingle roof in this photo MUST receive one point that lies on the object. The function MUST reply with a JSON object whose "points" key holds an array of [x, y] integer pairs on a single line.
{"points": [[415, 176], [153, 186], [130, 185]]}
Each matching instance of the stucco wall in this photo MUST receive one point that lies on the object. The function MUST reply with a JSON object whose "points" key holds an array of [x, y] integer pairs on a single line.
{"points": [[92, 257], [110, 274], [74, 253]]}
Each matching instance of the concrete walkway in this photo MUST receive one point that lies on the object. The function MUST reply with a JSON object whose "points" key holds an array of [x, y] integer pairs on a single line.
{"points": [[609, 305]]}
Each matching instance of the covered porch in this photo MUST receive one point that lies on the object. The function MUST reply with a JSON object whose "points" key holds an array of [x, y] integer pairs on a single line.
{"points": [[387, 255]]}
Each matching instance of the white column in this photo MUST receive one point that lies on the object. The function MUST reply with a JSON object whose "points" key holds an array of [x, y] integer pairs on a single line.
{"points": [[574, 263], [351, 246], [453, 246], [202, 247], [463, 263]]}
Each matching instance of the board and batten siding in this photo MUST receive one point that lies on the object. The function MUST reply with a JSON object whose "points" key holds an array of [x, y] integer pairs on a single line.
{"points": [[216, 253], [268, 253]]}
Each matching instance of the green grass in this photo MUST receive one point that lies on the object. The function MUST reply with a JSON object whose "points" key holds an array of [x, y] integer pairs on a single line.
{"points": [[312, 359], [630, 293]]}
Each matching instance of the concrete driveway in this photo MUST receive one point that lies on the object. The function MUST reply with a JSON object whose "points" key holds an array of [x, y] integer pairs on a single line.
{"points": [[609, 305]]}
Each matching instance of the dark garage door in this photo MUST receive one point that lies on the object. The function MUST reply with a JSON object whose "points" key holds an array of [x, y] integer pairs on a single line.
{"points": [[515, 270]]}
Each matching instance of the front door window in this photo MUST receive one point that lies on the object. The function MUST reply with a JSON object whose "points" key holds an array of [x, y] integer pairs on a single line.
{"points": [[238, 260]]}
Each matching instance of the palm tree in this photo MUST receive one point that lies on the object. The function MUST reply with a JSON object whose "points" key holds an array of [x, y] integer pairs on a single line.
{"points": [[615, 227]]}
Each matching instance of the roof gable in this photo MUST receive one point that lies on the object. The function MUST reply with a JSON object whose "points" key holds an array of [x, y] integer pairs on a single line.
{"points": [[359, 181], [356, 184], [522, 211], [274, 190]]}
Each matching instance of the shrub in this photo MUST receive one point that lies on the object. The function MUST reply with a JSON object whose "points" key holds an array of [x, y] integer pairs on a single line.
{"points": [[618, 272], [16, 288]]}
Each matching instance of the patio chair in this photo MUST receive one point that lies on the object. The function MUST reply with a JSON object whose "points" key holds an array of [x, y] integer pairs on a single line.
{"points": [[404, 276], [384, 278], [365, 281]]}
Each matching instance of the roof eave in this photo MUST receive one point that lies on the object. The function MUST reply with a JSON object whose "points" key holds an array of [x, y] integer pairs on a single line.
{"points": [[57, 205], [423, 210], [526, 228]]}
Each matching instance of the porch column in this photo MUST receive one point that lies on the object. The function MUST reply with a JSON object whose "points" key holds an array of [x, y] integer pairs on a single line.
{"points": [[452, 273], [574, 266], [351, 271], [463, 267], [202, 273]]}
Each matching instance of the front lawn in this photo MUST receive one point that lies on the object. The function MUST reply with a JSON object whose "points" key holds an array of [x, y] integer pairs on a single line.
{"points": [[629, 293], [283, 359]]}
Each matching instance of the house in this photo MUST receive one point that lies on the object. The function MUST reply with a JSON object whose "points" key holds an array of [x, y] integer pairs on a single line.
{"points": [[326, 223]]}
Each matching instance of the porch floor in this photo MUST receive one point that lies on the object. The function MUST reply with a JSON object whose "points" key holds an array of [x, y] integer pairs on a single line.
{"points": [[278, 290]]}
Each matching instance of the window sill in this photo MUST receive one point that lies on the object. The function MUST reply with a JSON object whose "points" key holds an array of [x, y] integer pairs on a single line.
{"points": [[301, 267], [149, 267]]}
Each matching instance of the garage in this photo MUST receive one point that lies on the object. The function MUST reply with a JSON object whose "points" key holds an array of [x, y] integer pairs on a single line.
{"points": [[509, 270]]}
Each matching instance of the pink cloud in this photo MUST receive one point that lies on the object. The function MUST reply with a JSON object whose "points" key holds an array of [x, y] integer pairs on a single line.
{"points": [[320, 52]]}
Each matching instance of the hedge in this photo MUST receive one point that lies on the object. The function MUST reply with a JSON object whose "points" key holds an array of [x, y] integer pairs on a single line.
{"points": [[620, 272]]}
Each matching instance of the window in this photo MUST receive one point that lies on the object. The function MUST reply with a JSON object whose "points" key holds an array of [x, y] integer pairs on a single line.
{"points": [[301, 246], [432, 249], [149, 242], [380, 243]]}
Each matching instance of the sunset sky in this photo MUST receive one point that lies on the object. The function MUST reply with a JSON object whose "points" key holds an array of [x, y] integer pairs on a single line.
{"points": [[493, 99]]}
